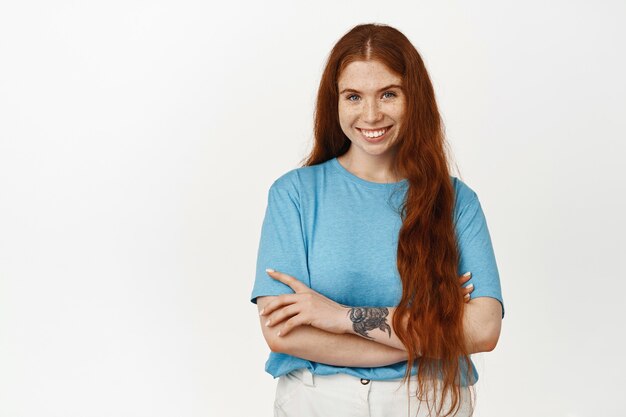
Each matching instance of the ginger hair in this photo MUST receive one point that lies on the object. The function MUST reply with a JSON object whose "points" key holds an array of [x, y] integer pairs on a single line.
{"points": [[428, 256]]}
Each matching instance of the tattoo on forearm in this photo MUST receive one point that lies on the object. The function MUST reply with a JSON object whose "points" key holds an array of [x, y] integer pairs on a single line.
{"points": [[369, 318]]}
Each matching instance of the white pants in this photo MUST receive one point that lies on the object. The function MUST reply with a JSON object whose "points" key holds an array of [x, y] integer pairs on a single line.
{"points": [[303, 394]]}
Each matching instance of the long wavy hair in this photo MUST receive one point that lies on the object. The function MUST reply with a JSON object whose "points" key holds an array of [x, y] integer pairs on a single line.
{"points": [[427, 259]]}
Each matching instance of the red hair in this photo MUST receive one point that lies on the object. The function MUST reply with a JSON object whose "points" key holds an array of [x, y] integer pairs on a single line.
{"points": [[428, 255]]}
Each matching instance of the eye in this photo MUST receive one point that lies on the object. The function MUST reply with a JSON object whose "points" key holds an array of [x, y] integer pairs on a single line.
{"points": [[390, 92], [350, 96]]}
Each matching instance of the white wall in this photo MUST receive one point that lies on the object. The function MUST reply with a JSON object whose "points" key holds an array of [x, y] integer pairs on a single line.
{"points": [[137, 144]]}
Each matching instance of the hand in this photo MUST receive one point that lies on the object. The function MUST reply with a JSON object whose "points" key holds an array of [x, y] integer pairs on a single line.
{"points": [[305, 307], [466, 290]]}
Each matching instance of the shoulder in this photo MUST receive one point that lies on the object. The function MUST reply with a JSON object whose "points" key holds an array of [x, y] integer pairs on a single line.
{"points": [[464, 194], [287, 181], [299, 179], [294, 185], [466, 199]]}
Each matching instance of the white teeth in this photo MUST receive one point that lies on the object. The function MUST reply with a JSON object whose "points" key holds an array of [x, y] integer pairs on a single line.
{"points": [[374, 134]]}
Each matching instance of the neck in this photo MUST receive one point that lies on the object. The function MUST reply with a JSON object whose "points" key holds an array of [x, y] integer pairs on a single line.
{"points": [[370, 168]]}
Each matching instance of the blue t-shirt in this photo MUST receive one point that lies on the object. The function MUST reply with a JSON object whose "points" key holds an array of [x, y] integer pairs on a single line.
{"points": [[338, 233]]}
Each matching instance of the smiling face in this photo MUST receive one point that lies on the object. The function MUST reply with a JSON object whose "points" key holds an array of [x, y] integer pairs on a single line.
{"points": [[371, 108]]}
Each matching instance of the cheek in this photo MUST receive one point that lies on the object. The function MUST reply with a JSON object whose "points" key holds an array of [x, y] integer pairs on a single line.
{"points": [[399, 116], [346, 117], [396, 109], [400, 111], [345, 127]]}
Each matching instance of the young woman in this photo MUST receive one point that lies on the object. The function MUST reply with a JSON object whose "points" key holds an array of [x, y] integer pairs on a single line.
{"points": [[357, 279]]}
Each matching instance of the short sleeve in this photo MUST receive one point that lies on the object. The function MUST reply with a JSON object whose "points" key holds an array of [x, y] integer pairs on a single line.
{"points": [[476, 251], [282, 244]]}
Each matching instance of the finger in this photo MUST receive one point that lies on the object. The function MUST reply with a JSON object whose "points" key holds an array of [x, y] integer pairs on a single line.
{"points": [[466, 298], [291, 324], [281, 315], [278, 302], [294, 283], [465, 277], [468, 289]]}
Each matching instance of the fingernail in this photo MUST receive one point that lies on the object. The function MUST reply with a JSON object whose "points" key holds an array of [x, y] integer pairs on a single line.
{"points": [[467, 274], [269, 270], [470, 286], [278, 334], [267, 323], [261, 312]]}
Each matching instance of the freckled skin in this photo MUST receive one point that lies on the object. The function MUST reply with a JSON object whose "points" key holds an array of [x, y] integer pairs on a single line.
{"points": [[370, 108]]}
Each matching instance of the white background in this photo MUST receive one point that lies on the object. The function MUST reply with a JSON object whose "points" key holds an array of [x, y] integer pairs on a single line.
{"points": [[137, 144]]}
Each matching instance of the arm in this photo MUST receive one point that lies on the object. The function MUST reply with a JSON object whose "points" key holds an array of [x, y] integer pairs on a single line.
{"points": [[482, 321], [318, 345], [306, 307]]}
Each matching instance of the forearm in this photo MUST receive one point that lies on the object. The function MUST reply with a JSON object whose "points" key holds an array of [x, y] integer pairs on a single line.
{"points": [[317, 345], [375, 324]]}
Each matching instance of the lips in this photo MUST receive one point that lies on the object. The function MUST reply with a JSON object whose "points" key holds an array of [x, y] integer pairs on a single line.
{"points": [[374, 139]]}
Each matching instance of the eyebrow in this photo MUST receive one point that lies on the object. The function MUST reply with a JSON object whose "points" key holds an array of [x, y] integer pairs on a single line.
{"points": [[346, 90]]}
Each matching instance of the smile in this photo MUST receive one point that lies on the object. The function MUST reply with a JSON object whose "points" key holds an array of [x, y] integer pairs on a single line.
{"points": [[374, 135]]}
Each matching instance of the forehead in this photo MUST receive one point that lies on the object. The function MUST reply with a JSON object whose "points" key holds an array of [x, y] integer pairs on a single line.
{"points": [[367, 75]]}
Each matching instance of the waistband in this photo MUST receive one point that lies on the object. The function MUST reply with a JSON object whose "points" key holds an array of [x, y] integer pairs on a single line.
{"points": [[341, 381]]}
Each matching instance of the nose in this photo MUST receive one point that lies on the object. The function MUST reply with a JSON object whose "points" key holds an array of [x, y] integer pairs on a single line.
{"points": [[371, 111]]}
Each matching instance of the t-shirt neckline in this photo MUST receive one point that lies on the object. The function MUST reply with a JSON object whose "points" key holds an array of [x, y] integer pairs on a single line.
{"points": [[358, 180]]}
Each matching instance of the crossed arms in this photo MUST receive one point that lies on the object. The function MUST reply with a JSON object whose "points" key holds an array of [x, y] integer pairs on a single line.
{"points": [[342, 343]]}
